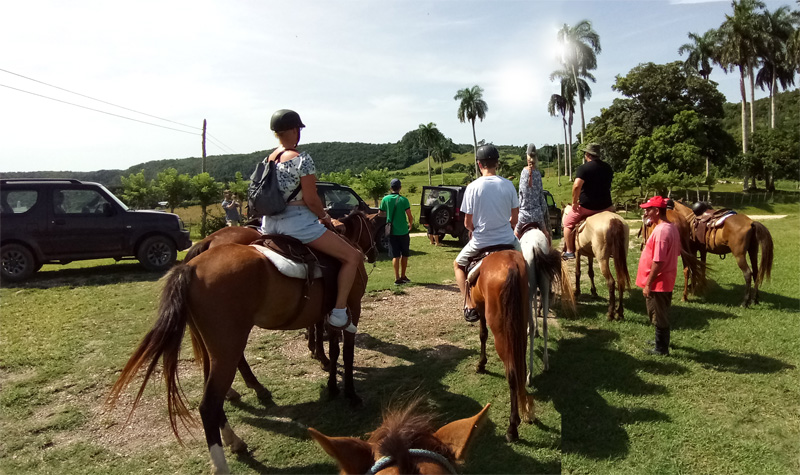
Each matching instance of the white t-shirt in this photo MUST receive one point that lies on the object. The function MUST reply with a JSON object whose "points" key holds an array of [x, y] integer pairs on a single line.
{"points": [[489, 200]]}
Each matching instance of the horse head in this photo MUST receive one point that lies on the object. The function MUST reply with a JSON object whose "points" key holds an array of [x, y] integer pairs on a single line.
{"points": [[406, 442], [357, 227]]}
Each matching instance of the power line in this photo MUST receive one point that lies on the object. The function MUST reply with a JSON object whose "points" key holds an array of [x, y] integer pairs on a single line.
{"points": [[101, 111], [100, 100]]}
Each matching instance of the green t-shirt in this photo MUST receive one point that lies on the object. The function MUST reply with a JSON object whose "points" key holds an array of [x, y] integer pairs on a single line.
{"points": [[395, 207]]}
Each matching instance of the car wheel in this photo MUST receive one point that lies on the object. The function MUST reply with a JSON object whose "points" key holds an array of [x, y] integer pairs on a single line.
{"points": [[441, 236], [440, 216], [381, 240], [157, 253], [18, 262]]}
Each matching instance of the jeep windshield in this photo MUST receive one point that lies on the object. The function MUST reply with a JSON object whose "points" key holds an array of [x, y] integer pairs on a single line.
{"points": [[113, 197]]}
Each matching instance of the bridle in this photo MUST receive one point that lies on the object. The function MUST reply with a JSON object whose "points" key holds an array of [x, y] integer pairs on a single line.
{"points": [[362, 228], [387, 461]]}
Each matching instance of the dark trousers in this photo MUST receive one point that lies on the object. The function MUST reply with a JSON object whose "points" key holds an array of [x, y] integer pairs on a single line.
{"points": [[658, 304]]}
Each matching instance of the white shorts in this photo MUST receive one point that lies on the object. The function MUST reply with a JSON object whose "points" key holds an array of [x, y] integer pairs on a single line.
{"points": [[470, 250]]}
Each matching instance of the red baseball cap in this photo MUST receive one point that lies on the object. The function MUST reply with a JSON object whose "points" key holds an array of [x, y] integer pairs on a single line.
{"points": [[655, 202]]}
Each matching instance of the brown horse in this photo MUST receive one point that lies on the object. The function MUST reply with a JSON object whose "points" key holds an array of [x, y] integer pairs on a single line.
{"points": [[604, 236], [740, 236], [220, 295], [355, 227], [406, 442], [500, 294], [694, 271]]}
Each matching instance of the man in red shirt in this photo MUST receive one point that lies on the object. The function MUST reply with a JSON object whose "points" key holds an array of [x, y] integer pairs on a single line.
{"points": [[658, 267]]}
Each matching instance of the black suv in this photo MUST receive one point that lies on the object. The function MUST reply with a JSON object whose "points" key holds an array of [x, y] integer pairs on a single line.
{"points": [[48, 221], [340, 200], [441, 208]]}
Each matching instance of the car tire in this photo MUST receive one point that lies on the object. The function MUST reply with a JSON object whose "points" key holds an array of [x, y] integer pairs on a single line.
{"points": [[381, 240], [440, 216], [157, 253], [463, 238], [18, 262]]}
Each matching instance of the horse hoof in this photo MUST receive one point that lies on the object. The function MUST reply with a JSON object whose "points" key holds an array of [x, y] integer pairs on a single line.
{"points": [[480, 370], [232, 395], [264, 396], [239, 447], [333, 392], [512, 435]]}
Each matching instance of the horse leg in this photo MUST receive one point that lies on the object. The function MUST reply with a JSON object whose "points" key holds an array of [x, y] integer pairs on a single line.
{"points": [[686, 287], [333, 350], [577, 274], [533, 323], [753, 252], [591, 275], [318, 352], [741, 260], [348, 348], [545, 311], [512, 434], [484, 334], [252, 382], [219, 379], [605, 269]]}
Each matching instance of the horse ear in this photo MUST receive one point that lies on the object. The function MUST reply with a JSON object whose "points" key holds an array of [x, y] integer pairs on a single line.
{"points": [[353, 455], [457, 435]]}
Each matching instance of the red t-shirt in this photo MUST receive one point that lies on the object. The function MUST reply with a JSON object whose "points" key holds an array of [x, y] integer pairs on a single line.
{"points": [[663, 246]]}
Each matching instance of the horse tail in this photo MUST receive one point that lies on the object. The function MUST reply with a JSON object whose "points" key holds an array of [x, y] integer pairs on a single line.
{"points": [[163, 340], [196, 250], [555, 269], [698, 270], [765, 240], [618, 243], [514, 316]]}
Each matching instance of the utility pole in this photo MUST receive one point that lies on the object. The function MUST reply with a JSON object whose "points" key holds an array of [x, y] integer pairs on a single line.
{"points": [[203, 168]]}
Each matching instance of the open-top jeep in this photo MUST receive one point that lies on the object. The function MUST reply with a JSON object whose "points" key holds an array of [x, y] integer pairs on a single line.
{"points": [[441, 212]]}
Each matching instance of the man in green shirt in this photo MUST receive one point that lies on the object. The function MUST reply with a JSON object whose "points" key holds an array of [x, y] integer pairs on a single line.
{"points": [[397, 210]]}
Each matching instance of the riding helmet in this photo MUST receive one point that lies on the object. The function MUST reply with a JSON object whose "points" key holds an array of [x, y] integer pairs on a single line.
{"points": [[285, 119], [487, 152]]}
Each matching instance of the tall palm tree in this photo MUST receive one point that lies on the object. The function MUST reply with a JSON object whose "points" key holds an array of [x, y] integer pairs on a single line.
{"points": [[471, 107], [581, 46], [777, 68], [701, 52], [738, 48], [428, 136], [558, 105], [570, 92], [441, 153]]}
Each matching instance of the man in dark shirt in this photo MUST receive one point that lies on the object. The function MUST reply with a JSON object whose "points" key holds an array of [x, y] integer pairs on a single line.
{"points": [[591, 194]]}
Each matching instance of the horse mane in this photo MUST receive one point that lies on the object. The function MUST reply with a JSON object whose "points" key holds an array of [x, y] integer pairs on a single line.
{"points": [[405, 427]]}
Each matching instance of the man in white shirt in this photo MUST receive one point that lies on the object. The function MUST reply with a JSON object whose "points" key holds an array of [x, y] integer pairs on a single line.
{"points": [[491, 209]]}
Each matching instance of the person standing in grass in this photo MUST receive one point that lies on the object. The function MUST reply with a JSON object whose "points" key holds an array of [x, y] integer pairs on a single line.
{"points": [[658, 268], [231, 207], [397, 210]]}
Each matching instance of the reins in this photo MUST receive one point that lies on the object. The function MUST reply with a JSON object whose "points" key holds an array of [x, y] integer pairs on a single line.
{"points": [[388, 461]]}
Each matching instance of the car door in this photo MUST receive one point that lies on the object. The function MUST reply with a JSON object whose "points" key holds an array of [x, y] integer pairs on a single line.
{"points": [[83, 222], [339, 202]]}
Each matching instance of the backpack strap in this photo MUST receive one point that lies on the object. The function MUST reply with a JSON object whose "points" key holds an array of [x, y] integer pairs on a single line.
{"points": [[276, 160]]}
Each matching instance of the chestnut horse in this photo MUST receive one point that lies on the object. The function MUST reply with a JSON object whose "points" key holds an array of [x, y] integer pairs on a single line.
{"points": [[500, 294], [604, 236], [694, 271], [406, 442], [740, 236], [356, 227], [545, 267], [220, 295]]}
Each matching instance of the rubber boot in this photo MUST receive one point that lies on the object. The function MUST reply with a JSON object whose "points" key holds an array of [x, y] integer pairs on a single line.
{"points": [[661, 343]]}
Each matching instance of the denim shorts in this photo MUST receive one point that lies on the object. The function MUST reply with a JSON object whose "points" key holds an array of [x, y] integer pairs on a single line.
{"points": [[296, 221]]}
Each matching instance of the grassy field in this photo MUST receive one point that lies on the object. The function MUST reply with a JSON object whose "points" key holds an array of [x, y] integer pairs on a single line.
{"points": [[726, 401]]}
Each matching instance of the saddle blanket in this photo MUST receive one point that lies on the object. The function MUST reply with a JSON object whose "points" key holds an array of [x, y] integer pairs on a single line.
{"points": [[721, 220], [286, 266]]}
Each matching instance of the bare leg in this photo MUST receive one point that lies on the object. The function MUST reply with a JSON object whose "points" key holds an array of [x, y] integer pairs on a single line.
{"points": [[569, 239], [396, 267], [403, 266]]}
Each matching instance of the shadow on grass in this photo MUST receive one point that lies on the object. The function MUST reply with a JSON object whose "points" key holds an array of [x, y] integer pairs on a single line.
{"points": [[741, 363], [121, 272], [421, 373], [580, 369], [733, 295]]}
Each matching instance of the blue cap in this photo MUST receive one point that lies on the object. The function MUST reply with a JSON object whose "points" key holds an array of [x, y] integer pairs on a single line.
{"points": [[394, 184]]}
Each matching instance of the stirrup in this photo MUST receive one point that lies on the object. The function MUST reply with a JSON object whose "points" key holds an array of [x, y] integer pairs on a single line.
{"points": [[347, 326]]}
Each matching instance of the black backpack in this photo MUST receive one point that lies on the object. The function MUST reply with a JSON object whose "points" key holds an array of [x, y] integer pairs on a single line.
{"points": [[264, 197]]}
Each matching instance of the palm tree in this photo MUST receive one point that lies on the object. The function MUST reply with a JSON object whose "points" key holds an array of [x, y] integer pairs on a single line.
{"points": [[738, 43], [777, 68], [471, 107], [428, 136], [558, 105], [701, 52], [441, 153], [581, 46], [568, 92]]}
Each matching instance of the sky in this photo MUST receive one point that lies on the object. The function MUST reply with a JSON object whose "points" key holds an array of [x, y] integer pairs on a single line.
{"points": [[355, 71]]}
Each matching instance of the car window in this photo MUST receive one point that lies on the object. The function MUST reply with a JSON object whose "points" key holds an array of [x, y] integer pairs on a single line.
{"points": [[433, 197], [549, 198], [340, 199], [18, 201], [83, 202]]}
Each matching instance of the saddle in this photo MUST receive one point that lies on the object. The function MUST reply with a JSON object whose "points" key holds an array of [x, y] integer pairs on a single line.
{"points": [[474, 265], [296, 260], [707, 222]]}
